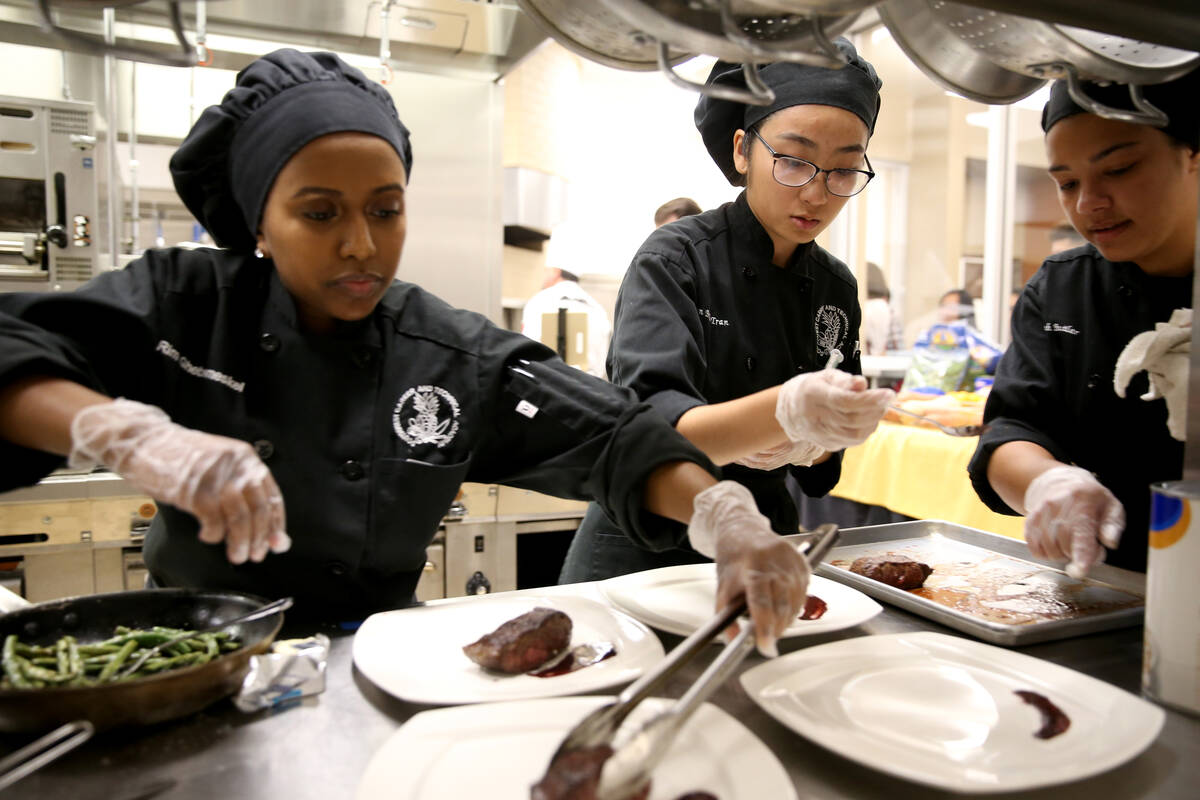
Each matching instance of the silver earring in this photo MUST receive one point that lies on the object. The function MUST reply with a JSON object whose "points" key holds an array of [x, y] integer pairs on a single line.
{"points": [[258, 253]]}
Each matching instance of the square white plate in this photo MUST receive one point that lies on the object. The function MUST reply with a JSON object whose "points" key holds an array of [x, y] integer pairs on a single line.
{"points": [[941, 710], [498, 750], [680, 599], [416, 654]]}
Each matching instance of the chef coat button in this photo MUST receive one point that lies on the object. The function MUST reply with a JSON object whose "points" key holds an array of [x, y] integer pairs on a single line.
{"points": [[269, 342], [362, 357], [750, 362], [336, 568], [1124, 291], [749, 273], [264, 448], [1094, 380], [352, 470]]}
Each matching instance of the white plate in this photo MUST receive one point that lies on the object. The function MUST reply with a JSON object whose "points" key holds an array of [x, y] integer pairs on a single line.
{"points": [[416, 654], [941, 710], [680, 599], [499, 750]]}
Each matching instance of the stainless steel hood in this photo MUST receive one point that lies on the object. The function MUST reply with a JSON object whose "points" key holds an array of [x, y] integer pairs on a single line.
{"points": [[483, 38]]}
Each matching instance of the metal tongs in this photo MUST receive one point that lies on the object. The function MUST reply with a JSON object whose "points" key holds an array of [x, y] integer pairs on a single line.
{"points": [[630, 766]]}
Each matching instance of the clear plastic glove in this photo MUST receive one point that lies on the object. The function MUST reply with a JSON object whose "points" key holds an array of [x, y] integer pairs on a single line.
{"points": [[831, 409], [221, 481], [752, 560], [1069, 515], [802, 454]]}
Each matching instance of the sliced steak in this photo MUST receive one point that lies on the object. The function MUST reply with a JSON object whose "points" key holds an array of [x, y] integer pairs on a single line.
{"points": [[893, 569], [814, 608], [575, 775], [523, 643]]}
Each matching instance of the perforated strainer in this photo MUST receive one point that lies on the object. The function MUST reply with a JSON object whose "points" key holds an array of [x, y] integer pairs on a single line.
{"points": [[1035, 48], [1047, 50], [746, 31], [592, 31]]}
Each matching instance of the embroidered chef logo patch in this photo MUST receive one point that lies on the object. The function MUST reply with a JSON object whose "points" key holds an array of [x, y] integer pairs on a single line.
{"points": [[831, 325], [426, 415]]}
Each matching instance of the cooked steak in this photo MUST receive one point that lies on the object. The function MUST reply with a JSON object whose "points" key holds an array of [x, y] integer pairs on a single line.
{"points": [[814, 608], [893, 569], [575, 774], [523, 643]]}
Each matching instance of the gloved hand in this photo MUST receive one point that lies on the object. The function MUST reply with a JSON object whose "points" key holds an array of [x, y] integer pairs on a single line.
{"points": [[751, 560], [221, 481], [1068, 515], [802, 454], [831, 409]]}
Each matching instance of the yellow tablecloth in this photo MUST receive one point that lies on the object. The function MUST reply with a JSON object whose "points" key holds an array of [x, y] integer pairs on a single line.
{"points": [[922, 473]]}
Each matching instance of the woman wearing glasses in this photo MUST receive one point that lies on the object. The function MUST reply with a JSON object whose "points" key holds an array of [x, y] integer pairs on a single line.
{"points": [[726, 320]]}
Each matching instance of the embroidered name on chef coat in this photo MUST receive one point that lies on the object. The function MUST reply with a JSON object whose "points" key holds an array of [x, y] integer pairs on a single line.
{"points": [[1054, 327], [426, 415], [708, 315], [832, 325], [169, 350]]}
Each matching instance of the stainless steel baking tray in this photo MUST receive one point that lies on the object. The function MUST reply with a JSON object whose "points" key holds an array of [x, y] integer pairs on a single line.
{"points": [[976, 564]]}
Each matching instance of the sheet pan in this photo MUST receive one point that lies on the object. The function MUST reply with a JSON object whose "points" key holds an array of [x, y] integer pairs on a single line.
{"points": [[959, 545]]}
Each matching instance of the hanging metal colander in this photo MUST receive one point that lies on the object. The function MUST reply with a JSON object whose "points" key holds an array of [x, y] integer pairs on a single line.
{"points": [[745, 31], [1046, 50], [592, 31]]}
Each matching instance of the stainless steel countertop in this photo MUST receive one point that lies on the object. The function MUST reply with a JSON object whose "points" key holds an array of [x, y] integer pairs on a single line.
{"points": [[319, 748]]}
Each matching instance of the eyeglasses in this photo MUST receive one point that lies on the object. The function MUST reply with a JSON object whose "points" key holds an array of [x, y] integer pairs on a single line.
{"points": [[796, 172]]}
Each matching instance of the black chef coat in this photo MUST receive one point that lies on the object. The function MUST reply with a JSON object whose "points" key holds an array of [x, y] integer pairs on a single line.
{"points": [[369, 432], [703, 316], [1054, 384]]}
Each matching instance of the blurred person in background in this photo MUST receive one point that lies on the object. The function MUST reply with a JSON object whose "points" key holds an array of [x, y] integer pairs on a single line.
{"points": [[1076, 432], [675, 209], [882, 330], [561, 289], [956, 305]]}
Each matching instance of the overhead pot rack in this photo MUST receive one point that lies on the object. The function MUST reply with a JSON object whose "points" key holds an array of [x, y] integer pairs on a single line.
{"points": [[986, 55]]}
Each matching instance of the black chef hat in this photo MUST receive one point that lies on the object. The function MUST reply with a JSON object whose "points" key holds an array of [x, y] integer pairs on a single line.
{"points": [[284, 100], [854, 87], [1178, 99]]}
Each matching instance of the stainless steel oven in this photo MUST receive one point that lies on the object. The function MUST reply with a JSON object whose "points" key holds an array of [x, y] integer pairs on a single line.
{"points": [[47, 193]]}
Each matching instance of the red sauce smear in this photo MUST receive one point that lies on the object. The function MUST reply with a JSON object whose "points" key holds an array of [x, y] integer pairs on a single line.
{"points": [[569, 664], [1054, 721], [814, 608]]}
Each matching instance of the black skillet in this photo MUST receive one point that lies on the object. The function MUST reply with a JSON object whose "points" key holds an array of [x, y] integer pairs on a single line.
{"points": [[140, 701]]}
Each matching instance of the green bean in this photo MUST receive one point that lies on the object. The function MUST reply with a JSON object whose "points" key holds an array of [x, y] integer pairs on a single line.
{"points": [[11, 668], [111, 667], [69, 663], [74, 662], [141, 638], [98, 649], [30, 650], [211, 645], [35, 673]]}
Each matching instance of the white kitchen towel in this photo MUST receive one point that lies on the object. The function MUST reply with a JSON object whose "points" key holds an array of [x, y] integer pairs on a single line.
{"points": [[1163, 354]]}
